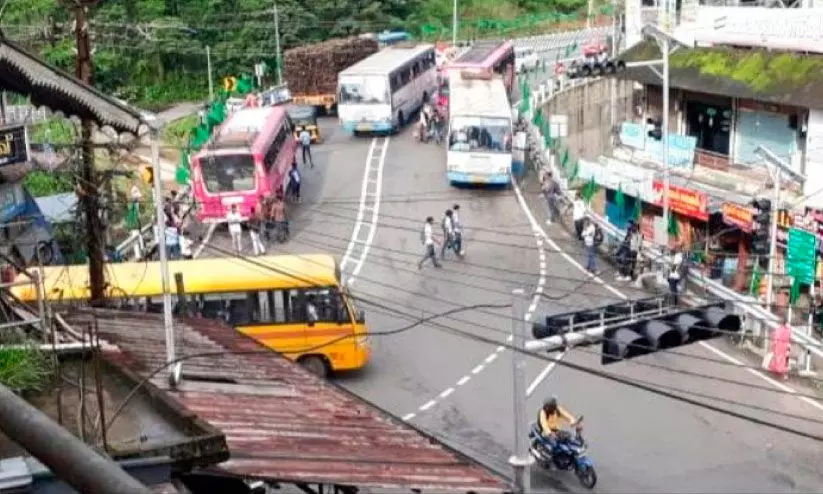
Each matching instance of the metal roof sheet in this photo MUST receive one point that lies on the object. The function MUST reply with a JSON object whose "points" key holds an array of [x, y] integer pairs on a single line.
{"points": [[284, 424], [478, 98], [24, 73]]}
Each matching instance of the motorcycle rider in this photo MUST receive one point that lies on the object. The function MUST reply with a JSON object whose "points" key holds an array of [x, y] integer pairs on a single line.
{"points": [[552, 418]]}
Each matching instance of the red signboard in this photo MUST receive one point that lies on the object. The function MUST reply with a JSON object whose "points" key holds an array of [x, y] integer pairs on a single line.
{"points": [[688, 202], [739, 216]]}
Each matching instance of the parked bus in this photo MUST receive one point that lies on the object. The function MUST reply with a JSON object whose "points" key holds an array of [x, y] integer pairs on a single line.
{"points": [[494, 56], [381, 92], [480, 130], [247, 157], [266, 298]]}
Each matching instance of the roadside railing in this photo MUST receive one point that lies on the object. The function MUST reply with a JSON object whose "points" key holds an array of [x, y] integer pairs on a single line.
{"points": [[144, 240], [758, 321]]}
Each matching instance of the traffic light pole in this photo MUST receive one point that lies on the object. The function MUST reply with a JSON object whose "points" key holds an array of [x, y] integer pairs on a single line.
{"points": [[665, 50], [773, 241], [521, 460]]}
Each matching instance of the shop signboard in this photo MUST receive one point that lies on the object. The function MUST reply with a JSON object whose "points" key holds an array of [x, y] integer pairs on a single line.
{"points": [[14, 146], [681, 147], [688, 202], [635, 181], [801, 255], [737, 215]]}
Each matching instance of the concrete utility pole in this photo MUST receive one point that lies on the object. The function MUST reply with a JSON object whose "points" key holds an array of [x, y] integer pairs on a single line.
{"points": [[211, 77], [454, 23], [277, 45], [69, 458], [88, 186], [521, 459], [666, 178]]}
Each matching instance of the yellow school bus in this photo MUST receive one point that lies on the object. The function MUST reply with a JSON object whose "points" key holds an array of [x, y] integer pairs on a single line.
{"points": [[294, 305]]}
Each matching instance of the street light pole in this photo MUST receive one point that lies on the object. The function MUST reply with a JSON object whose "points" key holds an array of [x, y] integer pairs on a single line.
{"points": [[168, 323], [521, 459], [773, 239], [211, 77], [454, 23], [277, 45], [665, 135]]}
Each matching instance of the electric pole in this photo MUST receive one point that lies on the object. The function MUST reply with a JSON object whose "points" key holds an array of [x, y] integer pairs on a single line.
{"points": [[277, 46], [88, 185]]}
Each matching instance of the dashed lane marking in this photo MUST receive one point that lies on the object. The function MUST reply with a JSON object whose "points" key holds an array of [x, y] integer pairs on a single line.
{"points": [[489, 359]]}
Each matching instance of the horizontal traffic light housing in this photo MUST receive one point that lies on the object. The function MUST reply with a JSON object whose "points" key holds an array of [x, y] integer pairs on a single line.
{"points": [[582, 70], [682, 327], [557, 324]]}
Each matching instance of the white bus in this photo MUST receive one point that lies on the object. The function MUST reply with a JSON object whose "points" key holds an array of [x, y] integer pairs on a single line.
{"points": [[480, 130], [380, 93]]}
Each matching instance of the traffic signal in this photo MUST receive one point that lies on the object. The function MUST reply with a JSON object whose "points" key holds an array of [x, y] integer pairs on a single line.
{"points": [[673, 329], [147, 174], [595, 67], [654, 129], [761, 229], [576, 321]]}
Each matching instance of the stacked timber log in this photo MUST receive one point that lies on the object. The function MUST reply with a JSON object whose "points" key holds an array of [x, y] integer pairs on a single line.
{"points": [[313, 69]]}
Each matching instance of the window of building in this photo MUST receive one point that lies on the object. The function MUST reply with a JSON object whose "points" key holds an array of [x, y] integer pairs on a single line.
{"points": [[710, 124]]}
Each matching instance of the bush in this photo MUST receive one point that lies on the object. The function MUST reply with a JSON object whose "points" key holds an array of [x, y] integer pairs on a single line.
{"points": [[25, 368], [43, 184]]}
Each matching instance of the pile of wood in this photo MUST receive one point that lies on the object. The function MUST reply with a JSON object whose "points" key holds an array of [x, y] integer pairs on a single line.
{"points": [[313, 69]]}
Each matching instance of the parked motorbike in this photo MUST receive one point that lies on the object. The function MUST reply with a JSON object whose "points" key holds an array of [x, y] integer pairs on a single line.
{"points": [[567, 453]]}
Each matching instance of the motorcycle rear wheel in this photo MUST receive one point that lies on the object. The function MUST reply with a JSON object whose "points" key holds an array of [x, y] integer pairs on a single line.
{"points": [[587, 476]]}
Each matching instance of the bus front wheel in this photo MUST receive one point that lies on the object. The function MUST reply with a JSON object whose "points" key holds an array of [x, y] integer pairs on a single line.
{"points": [[316, 365]]}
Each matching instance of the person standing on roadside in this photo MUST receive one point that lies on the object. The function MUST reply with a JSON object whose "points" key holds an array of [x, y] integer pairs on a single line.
{"points": [[458, 230], [590, 245], [255, 225], [635, 245], [448, 233], [278, 216], [305, 145], [427, 237], [235, 222], [676, 262], [294, 182], [551, 192], [578, 214]]}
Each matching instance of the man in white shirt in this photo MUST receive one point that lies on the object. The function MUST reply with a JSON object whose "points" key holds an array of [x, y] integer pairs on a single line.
{"points": [[305, 144], [448, 233], [427, 236], [185, 245], [589, 233], [458, 230], [172, 241], [235, 229], [676, 260], [578, 214]]}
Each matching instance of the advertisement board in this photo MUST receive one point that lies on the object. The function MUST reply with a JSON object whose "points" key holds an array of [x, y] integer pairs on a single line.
{"points": [[688, 202], [681, 147]]}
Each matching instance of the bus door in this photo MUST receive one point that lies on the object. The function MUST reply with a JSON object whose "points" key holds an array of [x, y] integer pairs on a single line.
{"points": [[329, 325]]}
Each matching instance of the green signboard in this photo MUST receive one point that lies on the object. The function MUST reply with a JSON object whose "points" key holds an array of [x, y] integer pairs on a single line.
{"points": [[802, 255]]}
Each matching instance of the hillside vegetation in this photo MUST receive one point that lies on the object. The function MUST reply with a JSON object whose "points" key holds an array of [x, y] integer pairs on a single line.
{"points": [[153, 52]]}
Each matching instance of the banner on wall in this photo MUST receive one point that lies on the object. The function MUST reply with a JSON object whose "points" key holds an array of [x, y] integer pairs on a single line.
{"points": [[737, 215], [614, 174], [688, 202], [681, 147]]}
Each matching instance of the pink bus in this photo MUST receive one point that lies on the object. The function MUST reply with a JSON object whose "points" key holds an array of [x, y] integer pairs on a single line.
{"points": [[248, 156], [494, 56]]}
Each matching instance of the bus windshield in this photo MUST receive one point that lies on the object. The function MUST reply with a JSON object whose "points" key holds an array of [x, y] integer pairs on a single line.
{"points": [[364, 90], [478, 134], [228, 173]]}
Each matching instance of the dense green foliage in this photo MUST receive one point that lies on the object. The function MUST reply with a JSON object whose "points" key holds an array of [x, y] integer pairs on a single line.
{"points": [[152, 52], [44, 184]]}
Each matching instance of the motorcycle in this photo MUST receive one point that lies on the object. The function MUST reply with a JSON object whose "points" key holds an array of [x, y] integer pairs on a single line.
{"points": [[567, 453]]}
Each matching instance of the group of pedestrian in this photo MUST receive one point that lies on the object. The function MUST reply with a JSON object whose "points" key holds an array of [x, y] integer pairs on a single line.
{"points": [[178, 239], [432, 124], [452, 229], [266, 218]]}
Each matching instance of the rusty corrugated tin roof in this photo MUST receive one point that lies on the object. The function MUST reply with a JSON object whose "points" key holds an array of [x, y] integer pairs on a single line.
{"points": [[281, 422], [26, 74]]}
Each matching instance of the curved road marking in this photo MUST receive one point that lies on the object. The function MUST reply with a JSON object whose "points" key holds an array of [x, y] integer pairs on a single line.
{"points": [[489, 359], [369, 202], [543, 375]]}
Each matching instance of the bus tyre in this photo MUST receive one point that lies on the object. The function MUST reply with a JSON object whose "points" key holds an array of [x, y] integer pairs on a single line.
{"points": [[316, 365]]}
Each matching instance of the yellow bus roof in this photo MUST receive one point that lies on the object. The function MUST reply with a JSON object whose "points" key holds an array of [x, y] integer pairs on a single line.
{"points": [[211, 275]]}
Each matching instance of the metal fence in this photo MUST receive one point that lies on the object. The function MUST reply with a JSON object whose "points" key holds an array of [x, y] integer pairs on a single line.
{"points": [[16, 114]]}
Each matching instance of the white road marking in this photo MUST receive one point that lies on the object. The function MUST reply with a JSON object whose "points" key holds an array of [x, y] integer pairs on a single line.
{"points": [[370, 193], [408, 417], [538, 291], [620, 294], [427, 405], [205, 242], [446, 393], [543, 375]]}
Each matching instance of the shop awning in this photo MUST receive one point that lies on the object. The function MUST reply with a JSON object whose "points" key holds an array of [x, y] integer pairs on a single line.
{"points": [[773, 77], [716, 196]]}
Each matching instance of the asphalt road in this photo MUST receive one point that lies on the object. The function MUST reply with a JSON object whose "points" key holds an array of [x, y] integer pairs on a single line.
{"points": [[459, 389]]}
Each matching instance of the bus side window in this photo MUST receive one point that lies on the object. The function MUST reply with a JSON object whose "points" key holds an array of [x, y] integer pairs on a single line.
{"points": [[264, 306], [240, 308], [340, 307]]}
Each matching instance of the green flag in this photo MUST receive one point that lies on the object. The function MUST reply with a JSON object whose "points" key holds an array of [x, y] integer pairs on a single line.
{"points": [[619, 198], [182, 175], [672, 227], [794, 294], [570, 50], [589, 190], [133, 216], [199, 136], [757, 278], [638, 210], [575, 170], [564, 160], [537, 120], [245, 84]]}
